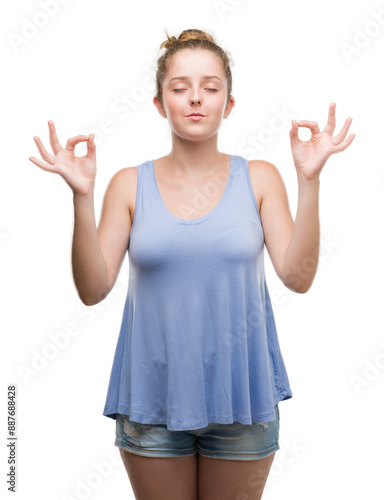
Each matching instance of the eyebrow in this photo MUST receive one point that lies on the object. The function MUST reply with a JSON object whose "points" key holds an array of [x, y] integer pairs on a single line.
{"points": [[205, 77]]}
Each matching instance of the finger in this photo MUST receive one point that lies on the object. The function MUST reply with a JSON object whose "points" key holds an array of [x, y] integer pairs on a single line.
{"points": [[91, 147], [56, 146], [294, 133], [44, 153], [44, 166], [75, 140], [309, 124], [343, 146], [343, 132], [330, 127]]}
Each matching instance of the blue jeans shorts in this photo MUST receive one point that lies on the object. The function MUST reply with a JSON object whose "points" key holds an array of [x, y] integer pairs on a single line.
{"points": [[234, 441]]}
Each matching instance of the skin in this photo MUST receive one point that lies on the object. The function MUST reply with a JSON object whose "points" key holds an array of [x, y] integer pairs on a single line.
{"points": [[98, 252], [194, 143]]}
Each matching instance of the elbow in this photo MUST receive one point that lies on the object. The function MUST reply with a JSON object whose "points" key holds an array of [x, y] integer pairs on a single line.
{"points": [[87, 301], [92, 300], [297, 285], [297, 289], [90, 296], [304, 287]]}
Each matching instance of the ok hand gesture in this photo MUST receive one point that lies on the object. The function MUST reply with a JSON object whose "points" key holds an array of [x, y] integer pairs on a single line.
{"points": [[310, 156], [78, 172]]}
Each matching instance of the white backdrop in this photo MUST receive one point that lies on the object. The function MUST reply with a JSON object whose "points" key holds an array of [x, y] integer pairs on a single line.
{"points": [[89, 66]]}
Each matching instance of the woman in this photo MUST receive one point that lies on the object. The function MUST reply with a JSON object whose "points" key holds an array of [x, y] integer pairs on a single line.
{"points": [[198, 373]]}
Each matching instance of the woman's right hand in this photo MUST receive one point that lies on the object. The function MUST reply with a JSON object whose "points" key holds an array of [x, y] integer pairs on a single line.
{"points": [[78, 172]]}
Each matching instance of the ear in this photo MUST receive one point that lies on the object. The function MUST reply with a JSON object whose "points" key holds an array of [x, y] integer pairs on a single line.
{"points": [[159, 107], [229, 107]]}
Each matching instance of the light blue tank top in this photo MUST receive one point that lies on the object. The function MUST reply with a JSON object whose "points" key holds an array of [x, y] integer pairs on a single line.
{"points": [[198, 341]]}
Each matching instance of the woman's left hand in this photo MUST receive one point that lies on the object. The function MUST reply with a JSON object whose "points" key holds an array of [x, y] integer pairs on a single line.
{"points": [[310, 156]]}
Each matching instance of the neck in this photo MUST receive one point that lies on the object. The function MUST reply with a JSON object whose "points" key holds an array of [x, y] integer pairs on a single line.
{"points": [[195, 159]]}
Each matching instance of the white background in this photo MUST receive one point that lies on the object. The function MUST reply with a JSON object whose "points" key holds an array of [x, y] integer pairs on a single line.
{"points": [[295, 57]]}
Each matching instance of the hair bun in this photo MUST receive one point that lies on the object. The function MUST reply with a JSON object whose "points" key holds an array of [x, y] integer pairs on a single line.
{"points": [[185, 36]]}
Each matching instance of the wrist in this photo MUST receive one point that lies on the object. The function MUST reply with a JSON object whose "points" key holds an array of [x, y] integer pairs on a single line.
{"points": [[83, 198], [305, 181]]}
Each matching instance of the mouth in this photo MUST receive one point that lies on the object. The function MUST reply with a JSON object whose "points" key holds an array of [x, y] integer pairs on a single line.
{"points": [[196, 117]]}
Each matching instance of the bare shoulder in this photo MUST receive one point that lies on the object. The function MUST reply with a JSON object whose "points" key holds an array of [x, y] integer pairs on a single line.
{"points": [[125, 174], [124, 183], [262, 169], [263, 175]]}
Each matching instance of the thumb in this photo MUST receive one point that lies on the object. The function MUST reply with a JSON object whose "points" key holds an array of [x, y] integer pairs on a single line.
{"points": [[91, 147]]}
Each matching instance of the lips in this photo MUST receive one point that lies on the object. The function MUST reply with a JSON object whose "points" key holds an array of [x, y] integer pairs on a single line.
{"points": [[195, 114], [195, 118]]}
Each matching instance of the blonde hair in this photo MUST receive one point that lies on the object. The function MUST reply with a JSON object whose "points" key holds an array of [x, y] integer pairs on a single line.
{"points": [[190, 39]]}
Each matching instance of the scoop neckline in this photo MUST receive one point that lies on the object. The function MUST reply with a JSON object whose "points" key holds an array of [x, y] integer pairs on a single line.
{"points": [[203, 217]]}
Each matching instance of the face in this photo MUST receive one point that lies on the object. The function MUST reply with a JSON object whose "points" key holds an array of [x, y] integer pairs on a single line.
{"points": [[195, 93]]}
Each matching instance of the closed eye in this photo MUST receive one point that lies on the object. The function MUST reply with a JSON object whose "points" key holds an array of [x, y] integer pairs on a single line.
{"points": [[178, 90]]}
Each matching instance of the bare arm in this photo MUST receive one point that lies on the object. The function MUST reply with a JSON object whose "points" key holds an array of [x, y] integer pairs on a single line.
{"points": [[302, 257], [292, 245], [88, 264], [98, 253]]}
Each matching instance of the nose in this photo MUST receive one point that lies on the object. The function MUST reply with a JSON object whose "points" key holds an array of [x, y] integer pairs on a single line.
{"points": [[195, 97], [195, 100]]}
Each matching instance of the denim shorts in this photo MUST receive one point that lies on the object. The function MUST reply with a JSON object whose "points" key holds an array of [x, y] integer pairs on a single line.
{"points": [[234, 441]]}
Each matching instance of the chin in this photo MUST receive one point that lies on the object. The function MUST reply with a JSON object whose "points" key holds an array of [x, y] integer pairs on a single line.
{"points": [[197, 135], [195, 138]]}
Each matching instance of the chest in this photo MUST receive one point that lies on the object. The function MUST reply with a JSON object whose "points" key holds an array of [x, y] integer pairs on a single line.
{"points": [[193, 200]]}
